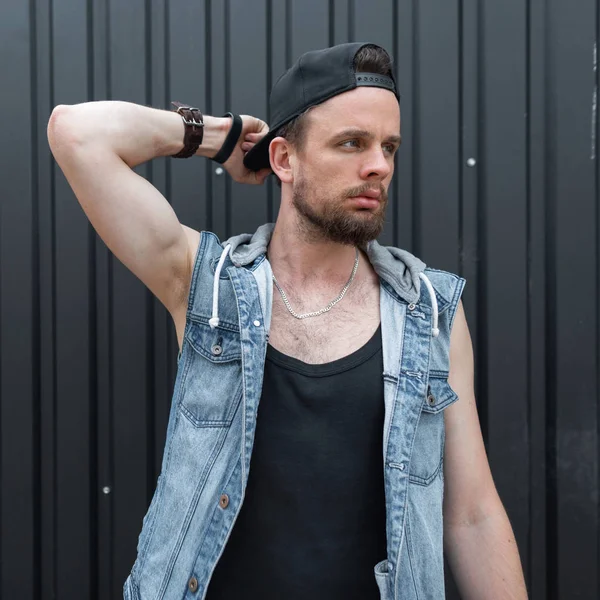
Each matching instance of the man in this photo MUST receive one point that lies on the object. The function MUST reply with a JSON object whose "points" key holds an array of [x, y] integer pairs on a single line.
{"points": [[357, 358]]}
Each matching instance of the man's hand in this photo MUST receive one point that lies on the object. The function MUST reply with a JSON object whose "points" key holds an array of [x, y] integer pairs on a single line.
{"points": [[253, 130]]}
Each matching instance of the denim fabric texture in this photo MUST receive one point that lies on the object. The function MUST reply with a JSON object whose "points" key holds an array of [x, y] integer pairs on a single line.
{"points": [[213, 413]]}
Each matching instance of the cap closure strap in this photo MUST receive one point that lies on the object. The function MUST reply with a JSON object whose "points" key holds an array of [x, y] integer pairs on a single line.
{"points": [[375, 80]]}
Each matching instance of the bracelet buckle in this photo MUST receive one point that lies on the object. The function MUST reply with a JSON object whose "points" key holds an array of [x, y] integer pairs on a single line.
{"points": [[193, 122]]}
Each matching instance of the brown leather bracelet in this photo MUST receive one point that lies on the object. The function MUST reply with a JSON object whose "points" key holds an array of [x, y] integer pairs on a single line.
{"points": [[194, 129]]}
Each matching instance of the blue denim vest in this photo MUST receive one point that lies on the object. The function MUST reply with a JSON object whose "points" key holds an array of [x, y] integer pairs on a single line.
{"points": [[212, 419]]}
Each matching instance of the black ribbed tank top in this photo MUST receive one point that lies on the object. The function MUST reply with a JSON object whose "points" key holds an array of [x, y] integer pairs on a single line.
{"points": [[312, 525]]}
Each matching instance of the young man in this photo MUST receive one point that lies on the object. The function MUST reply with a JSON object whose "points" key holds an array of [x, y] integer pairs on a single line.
{"points": [[323, 439]]}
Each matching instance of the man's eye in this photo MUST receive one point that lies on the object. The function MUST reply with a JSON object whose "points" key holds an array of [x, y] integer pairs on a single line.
{"points": [[351, 142]]}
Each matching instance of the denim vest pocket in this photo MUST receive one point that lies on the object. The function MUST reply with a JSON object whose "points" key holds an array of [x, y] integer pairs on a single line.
{"points": [[211, 387], [428, 450]]}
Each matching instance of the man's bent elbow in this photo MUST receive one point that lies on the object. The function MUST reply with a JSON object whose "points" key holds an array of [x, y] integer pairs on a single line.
{"points": [[60, 133]]}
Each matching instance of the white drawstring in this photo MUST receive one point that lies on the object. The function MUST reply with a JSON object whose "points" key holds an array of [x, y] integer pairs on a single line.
{"points": [[214, 320], [435, 331]]}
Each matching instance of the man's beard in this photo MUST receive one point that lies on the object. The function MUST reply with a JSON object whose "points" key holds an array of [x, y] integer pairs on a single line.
{"points": [[331, 220]]}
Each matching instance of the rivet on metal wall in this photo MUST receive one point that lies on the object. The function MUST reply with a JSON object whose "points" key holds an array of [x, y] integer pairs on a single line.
{"points": [[219, 171], [471, 162], [106, 490]]}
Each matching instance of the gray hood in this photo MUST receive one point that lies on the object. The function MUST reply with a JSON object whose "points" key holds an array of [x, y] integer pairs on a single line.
{"points": [[398, 267]]}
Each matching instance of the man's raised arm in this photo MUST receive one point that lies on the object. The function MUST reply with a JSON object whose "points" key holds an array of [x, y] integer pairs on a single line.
{"points": [[97, 144]]}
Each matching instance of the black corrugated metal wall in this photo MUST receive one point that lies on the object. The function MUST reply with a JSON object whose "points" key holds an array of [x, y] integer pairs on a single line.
{"points": [[497, 180]]}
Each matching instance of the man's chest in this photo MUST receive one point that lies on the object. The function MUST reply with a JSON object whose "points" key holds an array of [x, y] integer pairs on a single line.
{"points": [[332, 335]]}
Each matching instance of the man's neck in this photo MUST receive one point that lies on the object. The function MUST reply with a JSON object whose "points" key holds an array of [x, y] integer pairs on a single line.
{"points": [[302, 261]]}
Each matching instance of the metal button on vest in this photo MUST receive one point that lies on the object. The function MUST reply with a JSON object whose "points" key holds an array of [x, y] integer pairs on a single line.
{"points": [[224, 501], [217, 350], [431, 399], [412, 306], [193, 584]]}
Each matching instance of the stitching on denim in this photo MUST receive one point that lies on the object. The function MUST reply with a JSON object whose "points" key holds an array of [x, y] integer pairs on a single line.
{"points": [[197, 262], [434, 410], [414, 374], [222, 324], [200, 423], [203, 477], [257, 262], [135, 590], [457, 293], [226, 527], [204, 423], [412, 443], [425, 482], [410, 554], [243, 446], [158, 496], [167, 451], [389, 290], [396, 465], [437, 374], [169, 446], [223, 359]]}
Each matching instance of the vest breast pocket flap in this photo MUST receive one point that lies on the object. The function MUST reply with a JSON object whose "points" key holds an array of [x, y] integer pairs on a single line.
{"points": [[428, 449], [212, 379]]}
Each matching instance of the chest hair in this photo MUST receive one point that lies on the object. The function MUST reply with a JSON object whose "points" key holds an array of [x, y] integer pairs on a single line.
{"points": [[348, 326]]}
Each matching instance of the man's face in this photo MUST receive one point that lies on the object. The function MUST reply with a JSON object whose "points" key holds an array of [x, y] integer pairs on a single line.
{"points": [[344, 168]]}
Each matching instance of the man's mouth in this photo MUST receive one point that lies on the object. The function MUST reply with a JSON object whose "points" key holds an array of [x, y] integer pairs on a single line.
{"points": [[366, 201]]}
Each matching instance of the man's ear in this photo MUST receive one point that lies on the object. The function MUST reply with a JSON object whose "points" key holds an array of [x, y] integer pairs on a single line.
{"points": [[281, 159]]}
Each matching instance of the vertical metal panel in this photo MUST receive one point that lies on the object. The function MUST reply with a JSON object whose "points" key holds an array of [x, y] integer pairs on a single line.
{"points": [[87, 356], [405, 62], [308, 26], [46, 303], [75, 318], [247, 82], [340, 11], [437, 86], [278, 40], [19, 373], [503, 324], [539, 317], [187, 82], [572, 190], [101, 86], [131, 334], [218, 104], [165, 340], [468, 157]]}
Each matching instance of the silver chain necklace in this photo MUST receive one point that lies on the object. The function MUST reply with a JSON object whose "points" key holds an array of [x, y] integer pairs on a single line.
{"points": [[329, 306]]}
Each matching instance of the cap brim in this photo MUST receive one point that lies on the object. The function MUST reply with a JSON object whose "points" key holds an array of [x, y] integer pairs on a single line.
{"points": [[258, 158]]}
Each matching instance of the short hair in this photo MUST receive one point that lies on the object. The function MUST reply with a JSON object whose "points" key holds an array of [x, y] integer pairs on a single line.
{"points": [[369, 59]]}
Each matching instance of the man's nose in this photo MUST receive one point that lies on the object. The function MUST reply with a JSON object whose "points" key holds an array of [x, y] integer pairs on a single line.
{"points": [[377, 163]]}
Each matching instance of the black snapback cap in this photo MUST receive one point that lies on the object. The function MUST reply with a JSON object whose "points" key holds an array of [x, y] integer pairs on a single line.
{"points": [[315, 77]]}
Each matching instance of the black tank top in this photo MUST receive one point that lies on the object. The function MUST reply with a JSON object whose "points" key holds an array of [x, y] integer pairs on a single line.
{"points": [[312, 524]]}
